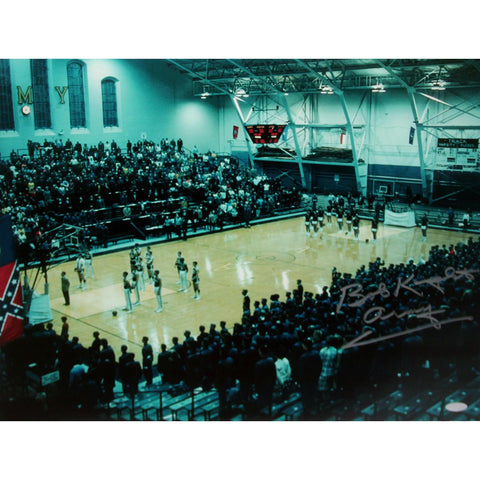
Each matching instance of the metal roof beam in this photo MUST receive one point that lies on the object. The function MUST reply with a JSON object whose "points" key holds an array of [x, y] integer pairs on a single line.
{"points": [[252, 75], [474, 63], [192, 72], [339, 92], [290, 118], [392, 72], [454, 127], [325, 79]]}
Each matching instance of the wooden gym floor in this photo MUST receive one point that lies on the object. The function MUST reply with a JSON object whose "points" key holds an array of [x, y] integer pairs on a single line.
{"points": [[265, 259]]}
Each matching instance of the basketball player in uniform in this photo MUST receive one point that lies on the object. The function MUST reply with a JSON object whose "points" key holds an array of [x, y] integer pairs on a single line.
{"points": [[356, 226], [80, 269], [177, 265], [424, 225], [196, 281], [320, 214], [127, 289], [157, 288], [212, 221], [335, 208], [314, 222], [329, 214], [374, 228], [149, 262], [139, 273], [340, 214], [135, 286], [183, 276], [133, 259], [307, 223], [89, 265], [348, 217]]}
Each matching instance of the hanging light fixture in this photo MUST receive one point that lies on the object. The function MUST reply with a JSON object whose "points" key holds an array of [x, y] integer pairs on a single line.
{"points": [[326, 90], [378, 88], [438, 83], [205, 93], [240, 92]]}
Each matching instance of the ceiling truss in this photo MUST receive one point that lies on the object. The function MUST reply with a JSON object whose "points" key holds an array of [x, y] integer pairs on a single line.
{"points": [[266, 76], [242, 78]]}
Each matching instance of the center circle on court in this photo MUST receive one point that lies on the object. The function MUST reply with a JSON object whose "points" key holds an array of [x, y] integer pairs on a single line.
{"points": [[266, 257]]}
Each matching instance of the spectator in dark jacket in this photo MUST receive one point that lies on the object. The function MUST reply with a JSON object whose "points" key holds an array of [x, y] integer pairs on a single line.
{"points": [[308, 370]]}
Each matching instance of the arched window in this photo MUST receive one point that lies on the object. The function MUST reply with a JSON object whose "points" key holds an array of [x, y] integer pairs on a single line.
{"points": [[76, 95], [6, 104], [109, 102], [41, 98]]}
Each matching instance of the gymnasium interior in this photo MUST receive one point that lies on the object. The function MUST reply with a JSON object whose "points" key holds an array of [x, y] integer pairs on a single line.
{"points": [[140, 131], [253, 168]]}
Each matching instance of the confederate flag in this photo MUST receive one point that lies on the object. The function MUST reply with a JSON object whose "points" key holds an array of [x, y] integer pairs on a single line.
{"points": [[11, 305]]}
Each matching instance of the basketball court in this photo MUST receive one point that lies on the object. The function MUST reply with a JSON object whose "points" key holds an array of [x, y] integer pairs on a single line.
{"points": [[265, 259]]}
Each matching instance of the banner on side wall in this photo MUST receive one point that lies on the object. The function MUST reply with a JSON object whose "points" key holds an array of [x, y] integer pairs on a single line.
{"points": [[399, 219], [411, 136], [235, 131]]}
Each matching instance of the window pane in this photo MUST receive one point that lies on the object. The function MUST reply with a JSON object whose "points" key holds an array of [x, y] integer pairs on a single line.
{"points": [[109, 102], [41, 99], [6, 104], [76, 95]]}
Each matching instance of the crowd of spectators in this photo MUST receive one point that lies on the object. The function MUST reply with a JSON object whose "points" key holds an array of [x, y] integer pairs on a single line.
{"points": [[58, 183], [312, 341], [308, 341]]}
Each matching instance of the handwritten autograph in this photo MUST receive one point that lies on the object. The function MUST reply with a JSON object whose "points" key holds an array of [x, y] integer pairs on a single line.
{"points": [[407, 284], [357, 342], [354, 291]]}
